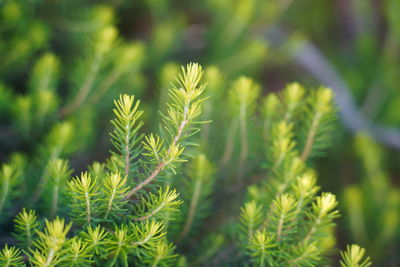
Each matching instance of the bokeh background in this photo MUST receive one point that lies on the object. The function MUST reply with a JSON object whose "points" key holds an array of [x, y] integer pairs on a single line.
{"points": [[99, 49]]}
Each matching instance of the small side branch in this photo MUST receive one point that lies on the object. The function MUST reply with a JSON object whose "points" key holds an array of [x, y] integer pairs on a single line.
{"points": [[147, 180], [143, 241], [152, 213]]}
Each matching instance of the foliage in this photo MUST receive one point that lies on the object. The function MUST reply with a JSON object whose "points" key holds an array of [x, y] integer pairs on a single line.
{"points": [[115, 221], [373, 205], [243, 191], [109, 226], [284, 222], [354, 256]]}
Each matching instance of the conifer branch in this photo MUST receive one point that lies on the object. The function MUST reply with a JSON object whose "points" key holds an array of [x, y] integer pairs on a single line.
{"points": [[125, 136], [162, 254], [250, 218], [304, 189], [319, 117], [354, 256], [95, 238], [261, 249], [323, 214], [112, 199], [305, 254], [49, 243], [11, 256], [186, 106], [120, 209], [83, 192], [282, 217], [165, 200], [164, 162], [284, 213], [77, 253], [25, 226], [149, 231]]}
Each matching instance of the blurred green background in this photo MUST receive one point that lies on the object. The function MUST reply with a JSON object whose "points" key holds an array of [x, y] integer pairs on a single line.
{"points": [[99, 49]]}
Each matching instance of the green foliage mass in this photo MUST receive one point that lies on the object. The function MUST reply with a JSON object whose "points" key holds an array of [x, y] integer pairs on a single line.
{"points": [[124, 211], [217, 166]]}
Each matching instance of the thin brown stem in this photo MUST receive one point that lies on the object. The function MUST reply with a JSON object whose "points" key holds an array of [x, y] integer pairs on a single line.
{"points": [[312, 230], [145, 217], [165, 162], [147, 180], [141, 242]]}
